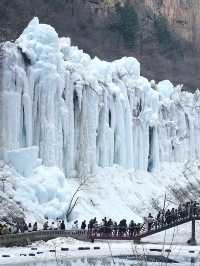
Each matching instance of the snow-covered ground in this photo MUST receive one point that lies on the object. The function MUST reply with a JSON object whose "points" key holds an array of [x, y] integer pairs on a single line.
{"points": [[113, 192], [43, 252]]}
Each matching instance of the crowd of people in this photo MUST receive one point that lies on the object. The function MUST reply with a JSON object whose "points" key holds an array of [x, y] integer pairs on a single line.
{"points": [[24, 227], [108, 227], [163, 218]]}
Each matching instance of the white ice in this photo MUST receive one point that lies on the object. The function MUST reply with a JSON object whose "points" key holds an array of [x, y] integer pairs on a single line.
{"points": [[88, 117], [82, 113]]}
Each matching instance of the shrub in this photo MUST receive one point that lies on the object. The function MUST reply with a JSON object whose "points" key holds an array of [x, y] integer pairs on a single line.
{"points": [[167, 39], [128, 24], [162, 31]]}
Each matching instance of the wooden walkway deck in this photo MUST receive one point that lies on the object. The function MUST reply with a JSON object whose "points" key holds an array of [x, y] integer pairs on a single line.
{"points": [[21, 239]]}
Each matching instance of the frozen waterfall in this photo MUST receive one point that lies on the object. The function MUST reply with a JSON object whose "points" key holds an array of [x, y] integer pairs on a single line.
{"points": [[82, 113]]}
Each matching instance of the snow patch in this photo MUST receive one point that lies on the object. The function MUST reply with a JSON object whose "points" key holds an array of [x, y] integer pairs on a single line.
{"points": [[24, 160]]}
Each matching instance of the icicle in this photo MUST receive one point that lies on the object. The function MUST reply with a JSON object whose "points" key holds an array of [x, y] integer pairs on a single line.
{"points": [[82, 113]]}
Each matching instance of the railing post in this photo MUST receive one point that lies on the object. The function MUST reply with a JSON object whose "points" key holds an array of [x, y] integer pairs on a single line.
{"points": [[193, 241], [137, 240]]}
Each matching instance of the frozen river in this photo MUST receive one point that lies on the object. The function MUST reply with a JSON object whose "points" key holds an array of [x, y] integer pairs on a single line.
{"points": [[70, 252], [111, 261]]}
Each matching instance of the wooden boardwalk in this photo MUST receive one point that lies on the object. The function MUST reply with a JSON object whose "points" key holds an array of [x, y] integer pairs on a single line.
{"points": [[21, 239], [154, 230]]}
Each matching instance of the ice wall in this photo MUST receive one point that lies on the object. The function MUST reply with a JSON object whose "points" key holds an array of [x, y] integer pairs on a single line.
{"points": [[83, 112]]}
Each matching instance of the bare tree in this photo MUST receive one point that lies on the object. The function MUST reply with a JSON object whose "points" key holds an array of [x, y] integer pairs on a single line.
{"points": [[75, 196], [155, 204], [190, 189]]}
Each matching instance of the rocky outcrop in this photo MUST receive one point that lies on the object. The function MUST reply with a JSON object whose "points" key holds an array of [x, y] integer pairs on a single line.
{"points": [[88, 24], [182, 15]]}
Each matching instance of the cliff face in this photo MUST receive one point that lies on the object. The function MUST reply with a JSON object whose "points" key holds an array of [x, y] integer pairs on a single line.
{"points": [[182, 15], [89, 24]]}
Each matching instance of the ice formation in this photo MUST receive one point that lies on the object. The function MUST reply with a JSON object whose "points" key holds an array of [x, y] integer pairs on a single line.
{"points": [[82, 113]]}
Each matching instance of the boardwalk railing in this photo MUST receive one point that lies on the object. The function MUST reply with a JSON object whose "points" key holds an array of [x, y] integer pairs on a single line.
{"points": [[100, 232], [155, 228], [21, 239]]}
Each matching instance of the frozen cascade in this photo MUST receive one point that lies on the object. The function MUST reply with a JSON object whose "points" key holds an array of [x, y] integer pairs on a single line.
{"points": [[82, 113]]}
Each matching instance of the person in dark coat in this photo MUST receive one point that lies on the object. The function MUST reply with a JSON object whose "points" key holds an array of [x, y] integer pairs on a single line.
{"points": [[168, 217], [62, 225], [115, 228], [131, 228], [25, 227], [105, 224], [46, 226], [109, 226], [138, 228], [122, 227], [90, 225], [29, 227], [35, 226], [158, 218], [150, 221], [83, 225]]}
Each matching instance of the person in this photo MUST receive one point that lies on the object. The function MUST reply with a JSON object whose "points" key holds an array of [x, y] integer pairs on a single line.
{"points": [[181, 211], [131, 228], [109, 226], [173, 215], [138, 228], [1, 227], [76, 224], [188, 208], [62, 225], [35, 226], [46, 226], [105, 223], [195, 209], [122, 227], [25, 227], [29, 227], [158, 218], [176, 216], [90, 225], [53, 226], [100, 228], [149, 221], [115, 228], [14, 228], [95, 226], [83, 225], [58, 224], [168, 217], [5, 230]]}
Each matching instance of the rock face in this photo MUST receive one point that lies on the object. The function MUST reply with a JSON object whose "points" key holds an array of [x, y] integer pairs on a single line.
{"points": [[82, 113], [182, 15], [89, 22]]}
